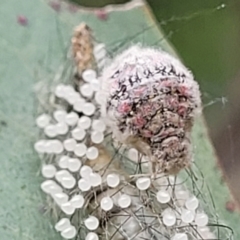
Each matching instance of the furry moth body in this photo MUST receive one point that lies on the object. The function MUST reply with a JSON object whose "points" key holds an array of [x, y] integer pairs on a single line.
{"points": [[150, 102]]}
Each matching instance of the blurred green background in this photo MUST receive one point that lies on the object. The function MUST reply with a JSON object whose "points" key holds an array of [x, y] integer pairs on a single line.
{"points": [[206, 34]]}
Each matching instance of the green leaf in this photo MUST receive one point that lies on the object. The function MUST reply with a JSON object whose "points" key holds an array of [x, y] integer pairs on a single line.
{"points": [[34, 52]]}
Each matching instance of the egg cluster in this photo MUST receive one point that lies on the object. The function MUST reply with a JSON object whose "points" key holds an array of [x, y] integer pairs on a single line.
{"points": [[84, 184], [181, 209], [72, 134]]}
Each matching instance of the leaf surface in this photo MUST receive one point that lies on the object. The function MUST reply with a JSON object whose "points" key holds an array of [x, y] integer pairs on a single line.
{"points": [[34, 53]]}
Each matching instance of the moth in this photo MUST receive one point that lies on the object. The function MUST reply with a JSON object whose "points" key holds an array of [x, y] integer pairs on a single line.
{"points": [[150, 102]]}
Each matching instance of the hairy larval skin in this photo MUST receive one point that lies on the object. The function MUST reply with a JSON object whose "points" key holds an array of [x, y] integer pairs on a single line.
{"points": [[151, 100]]}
